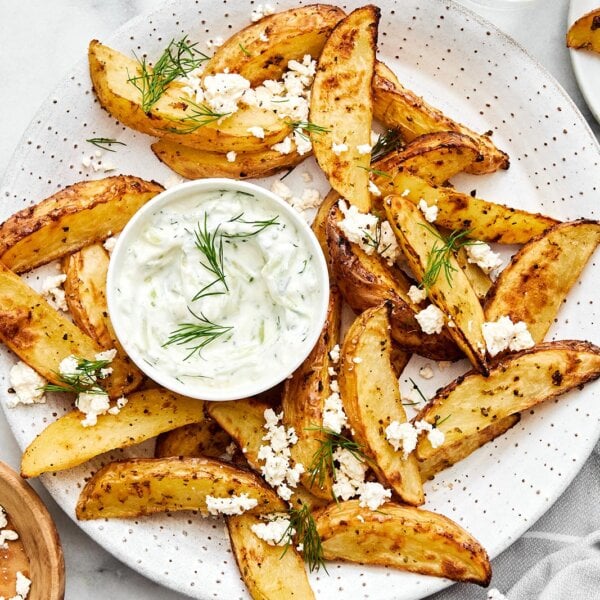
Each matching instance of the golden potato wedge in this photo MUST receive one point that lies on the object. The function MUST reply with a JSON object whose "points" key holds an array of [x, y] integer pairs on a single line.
{"points": [[399, 108], [403, 537], [174, 116], [341, 103], [399, 359], [193, 163], [479, 280], [76, 216], [304, 396], [585, 32], [267, 571], [446, 456], [319, 225], [451, 292], [197, 439], [85, 293], [365, 280], [371, 398], [291, 34], [65, 443], [515, 383], [144, 486], [485, 220], [536, 282], [41, 337]]}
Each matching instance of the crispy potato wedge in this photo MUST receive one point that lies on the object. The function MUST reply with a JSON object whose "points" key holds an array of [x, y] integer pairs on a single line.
{"points": [[456, 298], [144, 486], [304, 396], [585, 32], [365, 280], [403, 537], [399, 108], [319, 225], [76, 216], [371, 398], [197, 439], [173, 116], [267, 571], [341, 102], [65, 443], [41, 337], [194, 163], [85, 293], [446, 456], [515, 383], [291, 34], [539, 277]]}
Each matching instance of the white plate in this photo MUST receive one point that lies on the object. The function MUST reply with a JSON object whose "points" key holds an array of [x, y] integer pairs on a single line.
{"points": [[477, 75], [586, 63]]}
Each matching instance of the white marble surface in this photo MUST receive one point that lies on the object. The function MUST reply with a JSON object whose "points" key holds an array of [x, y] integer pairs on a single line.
{"points": [[39, 42]]}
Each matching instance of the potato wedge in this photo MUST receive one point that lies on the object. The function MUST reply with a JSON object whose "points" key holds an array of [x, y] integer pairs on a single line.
{"points": [[479, 280], [76, 216], [267, 571], [454, 295], [585, 32], [198, 439], [365, 280], [444, 457], [319, 225], [486, 221], [403, 537], [399, 108], [291, 34], [85, 293], [304, 396], [144, 486], [341, 103], [371, 398], [173, 116], [539, 277], [515, 383], [193, 163], [65, 443], [41, 337]]}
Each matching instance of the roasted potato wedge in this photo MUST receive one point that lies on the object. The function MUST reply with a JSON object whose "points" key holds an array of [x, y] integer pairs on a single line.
{"points": [[193, 163], [365, 280], [267, 571], [371, 398], [585, 32], [41, 337], [446, 456], [341, 103], [515, 383], [454, 297], [76, 216], [290, 34], [65, 443], [198, 439], [403, 537], [399, 108], [144, 486], [479, 280], [535, 284], [319, 225], [174, 116]]}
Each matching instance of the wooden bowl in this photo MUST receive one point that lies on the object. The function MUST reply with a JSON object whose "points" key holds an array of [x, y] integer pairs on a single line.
{"points": [[37, 531]]}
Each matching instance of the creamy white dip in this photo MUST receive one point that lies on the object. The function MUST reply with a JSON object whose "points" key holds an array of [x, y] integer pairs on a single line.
{"points": [[264, 306]]}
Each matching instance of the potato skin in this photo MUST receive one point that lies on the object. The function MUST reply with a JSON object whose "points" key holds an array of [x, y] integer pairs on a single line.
{"points": [[585, 32], [197, 439]]}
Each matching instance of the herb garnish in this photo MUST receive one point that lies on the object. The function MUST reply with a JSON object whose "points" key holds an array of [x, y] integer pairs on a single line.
{"points": [[212, 249], [244, 50], [386, 143], [105, 143], [199, 116], [376, 172], [416, 387], [258, 225], [303, 524], [304, 128], [84, 380]]}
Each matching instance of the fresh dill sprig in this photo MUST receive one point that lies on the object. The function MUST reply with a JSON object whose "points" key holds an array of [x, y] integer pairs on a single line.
{"points": [[177, 60], [376, 172], [105, 143], [304, 128], [244, 50], [199, 116], [386, 143], [437, 421], [418, 389], [201, 334], [303, 529], [211, 246], [83, 380], [258, 225]]}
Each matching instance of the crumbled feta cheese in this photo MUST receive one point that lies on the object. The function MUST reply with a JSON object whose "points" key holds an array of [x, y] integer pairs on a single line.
{"points": [[223, 91], [282, 190], [436, 437], [482, 255], [310, 199], [86, 161], [444, 364], [98, 154], [306, 177], [334, 353], [405, 193], [374, 138], [388, 244], [69, 366], [402, 435], [364, 148], [263, 37], [230, 505], [373, 495], [334, 386], [358, 226], [416, 294], [53, 292], [7, 535], [284, 147], [431, 319], [334, 417], [303, 143], [357, 360], [262, 10], [256, 131], [276, 532], [426, 372], [374, 189], [339, 148], [92, 405], [122, 402], [214, 43], [231, 156], [504, 334], [107, 355], [331, 371], [23, 586], [349, 475], [110, 243], [429, 212], [3, 518], [28, 386], [495, 594], [108, 166]]}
